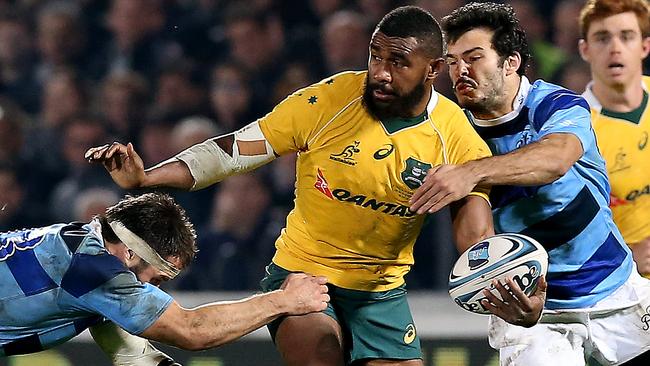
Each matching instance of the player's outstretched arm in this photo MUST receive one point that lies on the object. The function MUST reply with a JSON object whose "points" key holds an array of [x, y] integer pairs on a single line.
{"points": [[196, 167], [215, 324], [127, 169], [514, 306], [538, 163]]}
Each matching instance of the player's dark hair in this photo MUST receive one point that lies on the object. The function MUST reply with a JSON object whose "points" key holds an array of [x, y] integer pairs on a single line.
{"points": [[158, 220], [412, 21], [508, 36]]}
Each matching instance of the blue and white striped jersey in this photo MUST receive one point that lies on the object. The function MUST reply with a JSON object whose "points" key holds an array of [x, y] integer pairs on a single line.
{"points": [[570, 217], [56, 281]]}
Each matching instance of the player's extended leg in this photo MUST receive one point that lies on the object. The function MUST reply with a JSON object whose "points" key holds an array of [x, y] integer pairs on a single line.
{"points": [[310, 340], [307, 340]]}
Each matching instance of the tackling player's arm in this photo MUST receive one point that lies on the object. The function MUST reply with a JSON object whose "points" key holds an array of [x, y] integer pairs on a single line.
{"points": [[538, 163], [215, 324], [194, 168]]}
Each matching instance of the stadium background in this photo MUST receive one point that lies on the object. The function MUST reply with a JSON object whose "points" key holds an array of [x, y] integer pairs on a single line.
{"points": [[165, 74]]}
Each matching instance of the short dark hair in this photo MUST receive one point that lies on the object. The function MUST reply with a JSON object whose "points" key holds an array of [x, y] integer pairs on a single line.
{"points": [[413, 21], [508, 36], [158, 220]]}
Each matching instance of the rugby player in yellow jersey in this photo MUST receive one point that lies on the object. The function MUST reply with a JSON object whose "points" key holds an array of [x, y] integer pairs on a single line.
{"points": [[615, 40], [365, 141]]}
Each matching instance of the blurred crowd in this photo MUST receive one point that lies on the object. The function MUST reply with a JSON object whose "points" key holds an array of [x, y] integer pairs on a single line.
{"points": [[166, 74]]}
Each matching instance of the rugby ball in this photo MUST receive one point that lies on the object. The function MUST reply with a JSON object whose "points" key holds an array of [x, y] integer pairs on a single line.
{"points": [[505, 255]]}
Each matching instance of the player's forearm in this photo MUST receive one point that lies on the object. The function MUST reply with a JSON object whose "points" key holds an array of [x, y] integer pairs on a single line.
{"points": [[472, 221], [215, 324], [539, 163], [171, 173]]}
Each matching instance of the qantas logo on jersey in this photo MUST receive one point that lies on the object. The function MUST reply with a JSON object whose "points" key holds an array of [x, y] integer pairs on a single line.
{"points": [[19, 240], [322, 186], [638, 193], [372, 203], [615, 201], [361, 200], [346, 156]]}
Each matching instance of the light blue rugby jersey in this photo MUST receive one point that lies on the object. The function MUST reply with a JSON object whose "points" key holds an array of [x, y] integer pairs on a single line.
{"points": [[570, 217], [56, 281]]}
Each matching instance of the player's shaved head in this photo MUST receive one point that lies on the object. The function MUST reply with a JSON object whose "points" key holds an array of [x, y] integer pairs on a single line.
{"points": [[412, 21]]}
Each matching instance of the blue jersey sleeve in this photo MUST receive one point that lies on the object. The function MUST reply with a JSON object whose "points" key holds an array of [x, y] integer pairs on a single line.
{"points": [[101, 284], [132, 305], [563, 111]]}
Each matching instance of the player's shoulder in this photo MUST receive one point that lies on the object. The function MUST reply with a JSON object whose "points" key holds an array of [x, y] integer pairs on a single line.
{"points": [[544, 99], [445, 108], [338, 89]]}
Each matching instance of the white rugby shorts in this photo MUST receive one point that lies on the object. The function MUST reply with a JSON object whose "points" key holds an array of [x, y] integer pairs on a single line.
{"points": [[613, 331]]}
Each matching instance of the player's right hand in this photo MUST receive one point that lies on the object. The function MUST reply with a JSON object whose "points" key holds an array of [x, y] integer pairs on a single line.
{"points": [[121, 161], [641, 254], [305, 293]]}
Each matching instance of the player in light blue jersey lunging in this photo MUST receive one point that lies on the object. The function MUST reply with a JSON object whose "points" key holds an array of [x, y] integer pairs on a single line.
{"points": [[548, 182], [59, 280]]}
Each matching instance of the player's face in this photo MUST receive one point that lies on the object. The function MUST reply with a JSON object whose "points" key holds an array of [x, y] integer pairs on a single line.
{"points": [[398, 71], [148, 273], [615, 48], [476, 71]]}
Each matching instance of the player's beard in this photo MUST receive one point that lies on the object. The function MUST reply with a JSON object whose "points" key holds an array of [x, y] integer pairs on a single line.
{"points": [[491, 99], [401, 106], [139, 268]]}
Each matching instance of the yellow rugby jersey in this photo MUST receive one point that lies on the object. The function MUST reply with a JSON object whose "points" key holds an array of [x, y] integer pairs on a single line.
{"points": [[623, 142], [354, 177]]}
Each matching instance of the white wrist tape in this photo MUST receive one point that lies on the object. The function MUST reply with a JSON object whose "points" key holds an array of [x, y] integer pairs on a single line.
{"points": [[208, 163], [125, 349]]}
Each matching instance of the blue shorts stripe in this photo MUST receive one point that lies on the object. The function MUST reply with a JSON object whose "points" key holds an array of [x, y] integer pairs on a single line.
{"points": [[566, 224], [607, 259], [28, 273]]}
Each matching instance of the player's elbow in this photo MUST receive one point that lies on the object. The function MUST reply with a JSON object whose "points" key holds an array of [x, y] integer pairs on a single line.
{"points": [[557, 168]]}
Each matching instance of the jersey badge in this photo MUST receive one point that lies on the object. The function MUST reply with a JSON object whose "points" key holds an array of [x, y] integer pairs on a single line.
{"points": [[413, 175]]}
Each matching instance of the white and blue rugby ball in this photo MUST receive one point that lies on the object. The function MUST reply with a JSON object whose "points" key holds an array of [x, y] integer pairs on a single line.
{"points": [[505, 255]]}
